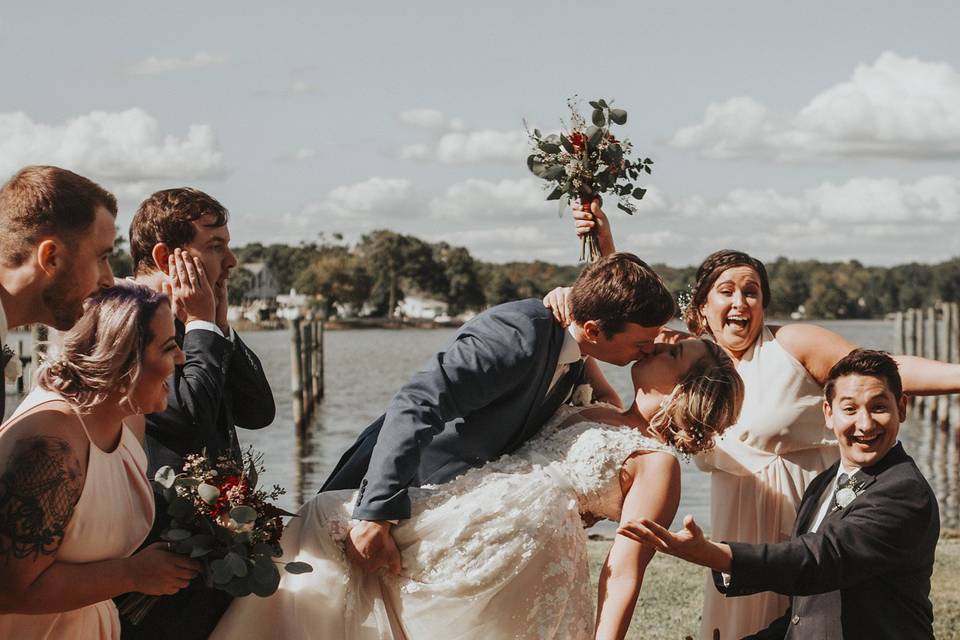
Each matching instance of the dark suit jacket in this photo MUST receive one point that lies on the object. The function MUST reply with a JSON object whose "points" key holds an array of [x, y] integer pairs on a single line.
{"points": [[865, 573], [221, 386], [480, 397]]}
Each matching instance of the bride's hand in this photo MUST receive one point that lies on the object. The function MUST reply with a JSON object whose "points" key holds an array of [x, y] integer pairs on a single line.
{"points": [[371, 547], [558, 301], [588, 216]]}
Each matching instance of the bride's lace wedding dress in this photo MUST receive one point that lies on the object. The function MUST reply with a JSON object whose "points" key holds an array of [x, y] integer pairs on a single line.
{"points": [[499, 552]]}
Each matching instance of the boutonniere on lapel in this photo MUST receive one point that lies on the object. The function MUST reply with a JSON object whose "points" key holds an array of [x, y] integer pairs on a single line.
{"points": [[12, 368], [582, 395], [847, 494]]}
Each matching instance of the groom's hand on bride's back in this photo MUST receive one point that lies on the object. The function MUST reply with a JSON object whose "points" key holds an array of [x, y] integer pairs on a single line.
{"points": [[371, 547]]}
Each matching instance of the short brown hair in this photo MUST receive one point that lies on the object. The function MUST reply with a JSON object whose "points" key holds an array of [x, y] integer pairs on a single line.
{"points": [[43, 201], [865, 362], [618, 289], [167, 216], [712, 268]]}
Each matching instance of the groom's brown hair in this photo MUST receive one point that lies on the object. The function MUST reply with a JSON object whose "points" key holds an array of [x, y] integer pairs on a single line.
{"points": [[618, 289]]}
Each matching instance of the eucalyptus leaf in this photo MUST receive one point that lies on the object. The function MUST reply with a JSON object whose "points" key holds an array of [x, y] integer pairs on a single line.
{"points": [[595, 137], [238, 587], [549, 147], [208, 492], [554, 171], [618, 116], [553, 138], [184, 481], [176, 535], [297, 567], [243, 514], [165, 476], [598, 118], [555, 194], [595, 104], [264, 584], [623, 207], [251, 475], [244, 537], [646, 168], [221, 572], [602, 103], [567, 145], [536, 133], [639, 193], [238, 566]]}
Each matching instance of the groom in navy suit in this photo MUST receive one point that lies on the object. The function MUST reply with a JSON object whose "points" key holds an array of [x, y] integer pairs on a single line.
{"points": [[861, 556], [491, 389]]}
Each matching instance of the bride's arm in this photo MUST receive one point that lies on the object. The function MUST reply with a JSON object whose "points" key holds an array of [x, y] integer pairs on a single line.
{"points": [[654, 490]]}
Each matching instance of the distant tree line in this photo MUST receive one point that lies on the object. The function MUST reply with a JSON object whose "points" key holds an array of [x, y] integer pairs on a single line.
{"points": [[385, 266]]}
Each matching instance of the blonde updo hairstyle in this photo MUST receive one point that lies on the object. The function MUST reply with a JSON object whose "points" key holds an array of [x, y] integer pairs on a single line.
{"points": [[703, 404], [103, 353]]}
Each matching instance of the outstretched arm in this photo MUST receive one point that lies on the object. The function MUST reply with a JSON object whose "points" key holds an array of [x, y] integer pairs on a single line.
{"points": [[818, 349], [654, 492]]}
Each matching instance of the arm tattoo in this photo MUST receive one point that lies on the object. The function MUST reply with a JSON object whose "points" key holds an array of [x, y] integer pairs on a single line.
{"points": [[38, 492]]}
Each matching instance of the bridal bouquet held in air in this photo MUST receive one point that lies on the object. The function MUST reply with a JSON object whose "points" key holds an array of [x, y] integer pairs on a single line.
{"points": [[220, 517], [584, 162]]}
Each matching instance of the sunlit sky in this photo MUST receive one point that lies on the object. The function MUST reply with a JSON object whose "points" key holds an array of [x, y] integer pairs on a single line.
{"points": [[811, 130]]}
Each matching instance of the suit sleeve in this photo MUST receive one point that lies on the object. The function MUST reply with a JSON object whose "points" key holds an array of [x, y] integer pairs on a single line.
{"points": [[483, 363], [777, 629], [197, 388], [882, 532], [250, 394]]}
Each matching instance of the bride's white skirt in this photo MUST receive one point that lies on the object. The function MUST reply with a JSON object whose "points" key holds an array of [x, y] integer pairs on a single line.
{"points": [[490, 555]]}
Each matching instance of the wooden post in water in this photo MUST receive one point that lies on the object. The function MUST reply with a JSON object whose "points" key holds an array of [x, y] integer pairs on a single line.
{"points": [[315, 364], [320, 358], [307, 346], [23, 376], [921, 350], [933, 351], [296, 374], [899, 338], [953, 349], [943, 354]]}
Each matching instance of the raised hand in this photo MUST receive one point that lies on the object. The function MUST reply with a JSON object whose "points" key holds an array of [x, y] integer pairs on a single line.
{"points": [[371, 547], [156, 571], [193, 295], [589, 217], [558, 301], [687, 544]]}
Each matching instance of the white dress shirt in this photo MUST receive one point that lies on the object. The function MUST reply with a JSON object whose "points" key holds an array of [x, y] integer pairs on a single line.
{"points": [[569, 353]]}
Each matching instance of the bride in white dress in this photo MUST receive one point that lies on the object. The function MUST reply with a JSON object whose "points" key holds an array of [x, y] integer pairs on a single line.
{"points": [[500, 552]]}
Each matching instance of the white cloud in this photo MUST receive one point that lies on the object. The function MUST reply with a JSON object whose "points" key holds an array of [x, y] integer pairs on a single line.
{"points": [[371, 198], [476, 199], [299, 154], [455, 144], [431, 119], [154, 65], [896, 107], [117, 147], [301, 88], [860, 201]]}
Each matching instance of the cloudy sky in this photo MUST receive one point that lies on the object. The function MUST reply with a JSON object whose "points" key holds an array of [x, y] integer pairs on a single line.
{"points": [[815, 129]]}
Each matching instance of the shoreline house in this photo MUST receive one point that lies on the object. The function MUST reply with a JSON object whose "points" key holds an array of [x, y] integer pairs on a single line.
{"points": [[420, 307]]}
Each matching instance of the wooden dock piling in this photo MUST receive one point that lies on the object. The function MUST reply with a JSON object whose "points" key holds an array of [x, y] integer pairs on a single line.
{"points": [[306, 368]]}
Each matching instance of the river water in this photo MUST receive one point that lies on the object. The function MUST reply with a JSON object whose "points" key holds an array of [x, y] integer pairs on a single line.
{"points": [[365, 367]]}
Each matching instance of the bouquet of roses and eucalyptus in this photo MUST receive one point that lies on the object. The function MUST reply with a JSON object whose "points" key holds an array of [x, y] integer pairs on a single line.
{"points": [[585, 162], [220, 517]]}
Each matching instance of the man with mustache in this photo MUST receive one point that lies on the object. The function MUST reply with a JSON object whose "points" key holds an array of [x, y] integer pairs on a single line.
{"points": [[179, 241], [56, 239]]}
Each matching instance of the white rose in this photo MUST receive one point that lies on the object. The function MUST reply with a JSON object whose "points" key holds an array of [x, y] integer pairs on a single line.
{"points": [[845, 496], [582, 395], [13, 370]]}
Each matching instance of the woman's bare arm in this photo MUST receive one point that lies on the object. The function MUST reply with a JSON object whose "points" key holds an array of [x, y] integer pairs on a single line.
{"points": [[655, 492], [602, 390]]}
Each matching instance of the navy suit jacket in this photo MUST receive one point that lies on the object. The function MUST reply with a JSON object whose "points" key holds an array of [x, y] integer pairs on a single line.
{"points": [[865, 572], [480, 397]]}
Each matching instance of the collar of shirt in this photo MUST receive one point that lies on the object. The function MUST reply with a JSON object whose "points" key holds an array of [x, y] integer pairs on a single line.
{"points": [[569, 350], [3, 325]]}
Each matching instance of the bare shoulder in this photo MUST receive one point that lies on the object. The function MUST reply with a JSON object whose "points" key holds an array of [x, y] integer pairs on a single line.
{"points": [[42, 467], [652, 463], [816, 348]]}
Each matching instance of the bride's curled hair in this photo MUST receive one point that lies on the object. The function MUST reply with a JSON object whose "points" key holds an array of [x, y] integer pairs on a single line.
{"points": [[703, 404], [103, 353]]}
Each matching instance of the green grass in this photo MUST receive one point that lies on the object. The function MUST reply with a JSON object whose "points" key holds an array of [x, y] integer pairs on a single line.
{"points": [[672, 594]]}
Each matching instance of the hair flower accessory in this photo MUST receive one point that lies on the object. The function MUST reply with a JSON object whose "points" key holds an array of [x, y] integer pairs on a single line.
{"points": [[12, 367], [582, 395]]}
